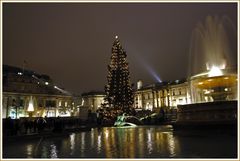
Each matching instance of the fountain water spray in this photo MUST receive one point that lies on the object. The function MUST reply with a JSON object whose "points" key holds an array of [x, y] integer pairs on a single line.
{"points": [[212, 62], [210, 48]]}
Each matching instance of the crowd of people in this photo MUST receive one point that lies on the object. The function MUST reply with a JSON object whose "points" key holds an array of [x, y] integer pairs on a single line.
{"points": [[33, 125]]}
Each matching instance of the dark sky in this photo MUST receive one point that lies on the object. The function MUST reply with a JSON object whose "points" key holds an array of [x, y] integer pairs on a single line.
{"points": [[72, 42]]}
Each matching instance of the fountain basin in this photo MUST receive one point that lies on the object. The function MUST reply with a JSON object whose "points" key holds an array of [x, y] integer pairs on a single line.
{"points": [[217, 88], [217, 114]]}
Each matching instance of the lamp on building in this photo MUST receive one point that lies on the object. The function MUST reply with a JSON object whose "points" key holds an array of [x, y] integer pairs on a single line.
{"points": [[30, 107]]}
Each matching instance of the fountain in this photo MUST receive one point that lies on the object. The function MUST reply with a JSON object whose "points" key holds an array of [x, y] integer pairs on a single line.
{"points": [[212, 75], [123, 121], [212, 67]]}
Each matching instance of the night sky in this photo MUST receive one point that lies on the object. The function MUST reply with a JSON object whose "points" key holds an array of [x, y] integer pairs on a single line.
{"points": [[72, 42]]}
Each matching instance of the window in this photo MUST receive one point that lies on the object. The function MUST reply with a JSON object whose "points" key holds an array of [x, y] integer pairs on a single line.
{"points": [[146, 96]]}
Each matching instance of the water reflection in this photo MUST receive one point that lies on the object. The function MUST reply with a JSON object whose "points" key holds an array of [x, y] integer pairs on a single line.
{"points": [[149, 141], [29, 150], [99, 144], [72, 142], [82, 148], [44, 152], [53, 151], [171, 145], [138, 142]]}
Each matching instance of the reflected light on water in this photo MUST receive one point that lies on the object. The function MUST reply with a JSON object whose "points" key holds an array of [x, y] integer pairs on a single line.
{"points": [[149, 141], [139, 142], [82, 143], [29, 150], [99, 143], [53, 151], [72, 142], [44, 152], [108, 144], [92, 138], [171, 145], [106, 133]]}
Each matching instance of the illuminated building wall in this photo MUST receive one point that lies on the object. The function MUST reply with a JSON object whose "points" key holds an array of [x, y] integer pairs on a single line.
{"points": [[179, 94], [144, 99], [162, 95], [26, 93], [93, 100]]}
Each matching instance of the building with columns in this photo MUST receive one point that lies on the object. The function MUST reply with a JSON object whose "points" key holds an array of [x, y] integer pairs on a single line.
{"points": [[153, 97], [29, 94], [165, 95]]}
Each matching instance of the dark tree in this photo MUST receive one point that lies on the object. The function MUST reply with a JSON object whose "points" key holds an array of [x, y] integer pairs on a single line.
{"points": [[119, 92]]}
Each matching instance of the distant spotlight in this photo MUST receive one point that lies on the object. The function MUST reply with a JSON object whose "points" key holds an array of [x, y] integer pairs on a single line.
{"points": [[153, 73], [61, 90], [46, 83], [156, 77], [116, 37], [19, 73]]}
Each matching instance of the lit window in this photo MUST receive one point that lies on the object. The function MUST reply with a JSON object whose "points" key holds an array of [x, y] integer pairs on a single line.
{"points": [[66, 104]]}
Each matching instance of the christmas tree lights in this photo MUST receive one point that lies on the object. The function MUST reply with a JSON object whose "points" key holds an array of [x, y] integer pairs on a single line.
{"points": [[119, 92]]}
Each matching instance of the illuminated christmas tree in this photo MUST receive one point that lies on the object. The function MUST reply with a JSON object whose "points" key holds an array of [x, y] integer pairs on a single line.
{"points": [[119, 92]]}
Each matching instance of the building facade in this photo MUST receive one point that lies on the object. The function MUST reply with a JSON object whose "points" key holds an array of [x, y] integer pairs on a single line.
{"points": [[165, 95], [29, 94], [93, 100]]}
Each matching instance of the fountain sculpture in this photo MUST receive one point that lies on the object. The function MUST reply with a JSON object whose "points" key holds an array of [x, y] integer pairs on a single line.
{"points": [[212, 76]]}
